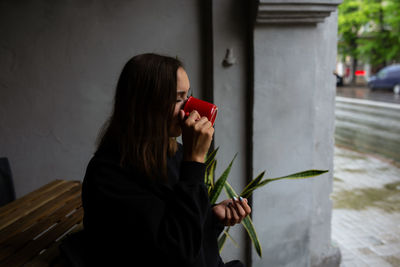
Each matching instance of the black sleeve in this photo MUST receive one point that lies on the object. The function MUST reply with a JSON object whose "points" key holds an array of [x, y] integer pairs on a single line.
{"points": [[219, 226], [180, 227], [169, 224]]}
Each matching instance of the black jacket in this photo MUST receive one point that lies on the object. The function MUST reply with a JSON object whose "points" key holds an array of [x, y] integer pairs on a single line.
{"points": [[130, 220]]}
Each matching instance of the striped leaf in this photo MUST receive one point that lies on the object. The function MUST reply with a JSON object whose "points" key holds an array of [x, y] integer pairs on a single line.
{"points": [[222, 239], [301, 175], [298, 175], [219, 184], [248, 225], [253, 183], [230, 237], [210, 157], [246, 222], [209, 175], [230, 192]]}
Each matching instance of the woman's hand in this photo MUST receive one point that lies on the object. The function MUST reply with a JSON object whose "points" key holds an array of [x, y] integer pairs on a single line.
{"points": [[197, 133], [232, 211]]}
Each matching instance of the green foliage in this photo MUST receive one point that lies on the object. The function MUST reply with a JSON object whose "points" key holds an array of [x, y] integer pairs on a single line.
{"points": [[215, 189], [222, 239], [219, 185], [370, 30], [246, 222], [350, 21]]}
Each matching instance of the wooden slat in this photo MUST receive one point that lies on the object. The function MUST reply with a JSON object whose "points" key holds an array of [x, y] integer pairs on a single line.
{"points": [[34, 203], [9, 210], [23, 223], [10, 207], [19, 240], [40, 212], [34, 247], [46, 258], [50, 256]]}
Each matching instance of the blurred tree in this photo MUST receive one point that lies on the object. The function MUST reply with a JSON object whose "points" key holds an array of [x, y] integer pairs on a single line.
{"points": [[370, 30], [351, 19], [379, 43]]}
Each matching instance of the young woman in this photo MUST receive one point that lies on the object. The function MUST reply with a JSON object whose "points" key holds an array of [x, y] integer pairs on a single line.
{"points": [[144, 198]]}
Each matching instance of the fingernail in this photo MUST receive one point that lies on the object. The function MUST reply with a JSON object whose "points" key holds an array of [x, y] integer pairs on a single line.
{"points": [[240, 198], [235, 198]]}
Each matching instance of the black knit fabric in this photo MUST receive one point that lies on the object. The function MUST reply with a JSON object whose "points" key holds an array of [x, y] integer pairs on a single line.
{"points": [[130, 220]]}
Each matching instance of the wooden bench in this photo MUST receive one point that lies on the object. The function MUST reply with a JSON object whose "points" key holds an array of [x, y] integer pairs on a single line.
{"points": [[32, 226]]}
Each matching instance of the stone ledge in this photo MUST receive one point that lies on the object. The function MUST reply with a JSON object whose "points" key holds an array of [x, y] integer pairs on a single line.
{"points": [[283, 12]]}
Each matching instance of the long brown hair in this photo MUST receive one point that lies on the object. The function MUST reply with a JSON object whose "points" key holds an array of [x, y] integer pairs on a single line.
{"points": [[144, 104]]}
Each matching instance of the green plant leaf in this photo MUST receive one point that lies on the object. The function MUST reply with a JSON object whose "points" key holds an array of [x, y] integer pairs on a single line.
{"points": [[298, 175], [209, 175], [248, 225], [212, 172], [230, 192], [222, 239], [249, 192], [230, 237], [301, 175], [210, 157], [246, 222], [219, 184], [253, 183]]}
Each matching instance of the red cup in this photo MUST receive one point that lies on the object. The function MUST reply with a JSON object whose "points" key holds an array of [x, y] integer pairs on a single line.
{"points": [[204, 108]]}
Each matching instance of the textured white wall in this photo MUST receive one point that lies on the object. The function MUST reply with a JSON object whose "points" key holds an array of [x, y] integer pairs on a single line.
{"points": [[59, 63]]}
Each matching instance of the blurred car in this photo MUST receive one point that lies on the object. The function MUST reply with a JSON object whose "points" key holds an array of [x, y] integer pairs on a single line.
{"points": [[386, 78]]}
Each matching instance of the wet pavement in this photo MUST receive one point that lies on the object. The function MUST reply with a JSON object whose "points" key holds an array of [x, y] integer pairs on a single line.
{"points": [[366, 212], [368, 126], [363, 92]]}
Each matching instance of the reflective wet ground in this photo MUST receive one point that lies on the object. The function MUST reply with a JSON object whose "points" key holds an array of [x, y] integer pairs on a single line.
{"points": [[363, 92], [366, 212]]}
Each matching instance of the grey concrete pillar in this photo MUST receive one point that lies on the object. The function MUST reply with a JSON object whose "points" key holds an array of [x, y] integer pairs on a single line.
{"points": [[230, 77], [294, 89]]}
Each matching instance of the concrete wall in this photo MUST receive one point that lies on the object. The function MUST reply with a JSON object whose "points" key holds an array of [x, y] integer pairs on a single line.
{"points": [[59, 63], [293, 131], [230, 31]]}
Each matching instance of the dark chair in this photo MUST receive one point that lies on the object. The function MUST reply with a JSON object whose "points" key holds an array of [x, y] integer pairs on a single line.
{"points": [[7, 192], [72, 249]]}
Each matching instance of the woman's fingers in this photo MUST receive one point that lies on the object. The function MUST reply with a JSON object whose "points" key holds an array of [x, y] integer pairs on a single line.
{"points": [[197, 133], [202, 123], [232, 211], [240, 211], [244, 204], [193, 117], [235, 216], [228, 215], [232, 216], [197, 121]]}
